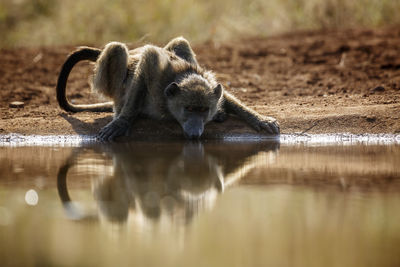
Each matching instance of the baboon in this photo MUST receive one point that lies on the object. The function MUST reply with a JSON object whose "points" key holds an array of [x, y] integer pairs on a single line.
{"points": [[159, 83]]}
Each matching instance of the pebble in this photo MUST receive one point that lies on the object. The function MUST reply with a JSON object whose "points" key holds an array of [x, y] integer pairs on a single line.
{"points": [[17, 104], [379, 89]]}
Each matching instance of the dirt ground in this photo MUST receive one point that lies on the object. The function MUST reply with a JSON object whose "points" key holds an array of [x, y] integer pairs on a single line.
{"points": [[312, 82]]}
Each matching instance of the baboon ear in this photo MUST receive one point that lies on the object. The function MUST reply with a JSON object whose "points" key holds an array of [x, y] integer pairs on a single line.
{"points": [[218, 90], [172, 90]]}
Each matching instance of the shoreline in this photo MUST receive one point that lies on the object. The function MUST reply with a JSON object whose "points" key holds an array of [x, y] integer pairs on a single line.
{"points": [[19, 140]]}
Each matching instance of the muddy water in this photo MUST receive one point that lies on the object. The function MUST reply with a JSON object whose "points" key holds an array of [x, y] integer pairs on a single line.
{"points": [[201, 204]]}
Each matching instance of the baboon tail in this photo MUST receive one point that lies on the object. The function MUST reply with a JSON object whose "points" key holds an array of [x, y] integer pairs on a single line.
{"points": [[83, 53], [72, 210]]}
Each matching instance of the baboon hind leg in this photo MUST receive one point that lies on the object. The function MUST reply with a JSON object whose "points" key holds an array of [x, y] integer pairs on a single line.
{"points": [[181, 47], [111, 71], [146, 78]]}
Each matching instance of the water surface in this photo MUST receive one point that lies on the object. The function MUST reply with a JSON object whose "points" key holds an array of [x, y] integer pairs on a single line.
{"points": [[260, 203]]}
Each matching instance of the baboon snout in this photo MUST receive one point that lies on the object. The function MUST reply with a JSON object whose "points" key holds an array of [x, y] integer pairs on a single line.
{"points": [[193, 128]]}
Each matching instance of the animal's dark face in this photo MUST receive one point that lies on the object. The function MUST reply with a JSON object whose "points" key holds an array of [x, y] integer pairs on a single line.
{"points": [[193, 105]]}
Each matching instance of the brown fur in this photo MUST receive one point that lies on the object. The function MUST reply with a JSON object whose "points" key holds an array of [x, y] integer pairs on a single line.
{"points": [[165, 83]]}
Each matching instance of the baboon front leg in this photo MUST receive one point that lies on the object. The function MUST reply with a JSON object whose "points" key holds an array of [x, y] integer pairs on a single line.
{"points": [[122, 122], [255, 120], [181, 47]]}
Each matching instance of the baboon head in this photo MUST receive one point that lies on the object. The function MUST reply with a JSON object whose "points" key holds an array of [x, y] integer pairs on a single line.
{"points": [[193, 102]]}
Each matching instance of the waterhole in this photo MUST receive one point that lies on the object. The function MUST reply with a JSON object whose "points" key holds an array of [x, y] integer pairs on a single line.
{"points": [[298, 201]]}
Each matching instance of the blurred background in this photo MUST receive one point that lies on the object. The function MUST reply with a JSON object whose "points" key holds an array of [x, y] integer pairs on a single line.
{"points": [[54, 22]]}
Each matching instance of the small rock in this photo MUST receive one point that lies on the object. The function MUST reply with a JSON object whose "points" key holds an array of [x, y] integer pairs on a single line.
{"points": [[16, 104], [378, 89], [371, 119]]}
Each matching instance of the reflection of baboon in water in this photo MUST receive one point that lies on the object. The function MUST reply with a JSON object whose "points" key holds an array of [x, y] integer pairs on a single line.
{"points": [[160, 83], [164, 180]]}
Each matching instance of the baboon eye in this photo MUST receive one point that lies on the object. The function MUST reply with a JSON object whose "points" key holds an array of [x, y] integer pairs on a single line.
{"points": [[189, 108], [203, 109]]}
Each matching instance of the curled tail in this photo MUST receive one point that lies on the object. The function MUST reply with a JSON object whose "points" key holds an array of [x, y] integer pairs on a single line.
{"points": [[83, 53], [72, 209]]}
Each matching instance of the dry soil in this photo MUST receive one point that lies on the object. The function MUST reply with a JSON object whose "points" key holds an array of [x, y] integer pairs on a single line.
{"points": [[312, 82]]}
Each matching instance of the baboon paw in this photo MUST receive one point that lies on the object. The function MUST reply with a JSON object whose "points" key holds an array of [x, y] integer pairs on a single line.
{"points": [[268, 125], [114, 129], [220, 117]]}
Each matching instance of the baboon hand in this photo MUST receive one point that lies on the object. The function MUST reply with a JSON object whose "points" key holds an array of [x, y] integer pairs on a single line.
{"points": [[220, 117], [266, 124], [117, 127]]}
